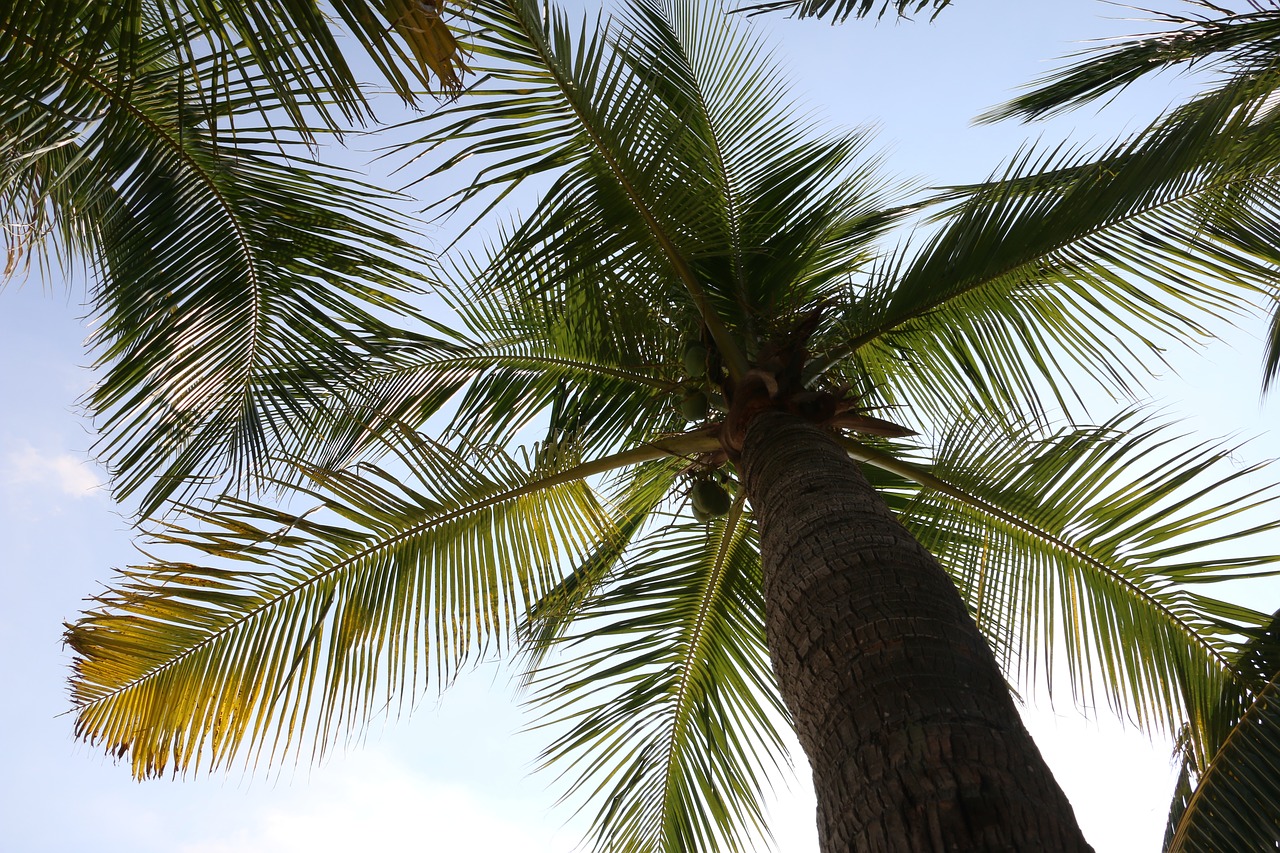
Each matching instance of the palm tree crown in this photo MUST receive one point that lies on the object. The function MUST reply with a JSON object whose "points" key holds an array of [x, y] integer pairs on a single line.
{"points": [[703, 261]]}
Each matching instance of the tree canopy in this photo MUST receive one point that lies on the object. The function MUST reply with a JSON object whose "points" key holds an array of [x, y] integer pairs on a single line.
{"points": [[525, 476]]}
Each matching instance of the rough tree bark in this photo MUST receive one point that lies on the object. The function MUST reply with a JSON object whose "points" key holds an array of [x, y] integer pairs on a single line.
{"points": [[912, 735]]}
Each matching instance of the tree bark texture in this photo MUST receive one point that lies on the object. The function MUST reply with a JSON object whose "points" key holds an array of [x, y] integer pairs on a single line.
{"points": [[908, 724]]}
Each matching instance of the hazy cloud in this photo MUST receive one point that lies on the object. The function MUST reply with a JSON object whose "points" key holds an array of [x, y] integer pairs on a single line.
{"points": [[27, 466], [380, 805]]}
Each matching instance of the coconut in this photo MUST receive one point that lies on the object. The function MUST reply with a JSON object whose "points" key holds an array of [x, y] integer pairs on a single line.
{"points": [[710, 497], [694, 406], [695, 360]]}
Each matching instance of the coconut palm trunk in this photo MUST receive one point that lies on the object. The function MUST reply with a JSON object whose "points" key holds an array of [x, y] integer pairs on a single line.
{"points": [[912, 735]]}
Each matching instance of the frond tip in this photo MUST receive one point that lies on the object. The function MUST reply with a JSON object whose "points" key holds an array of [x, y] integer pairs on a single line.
{"points": [[420, 23], [338, 615], [842, 10]]}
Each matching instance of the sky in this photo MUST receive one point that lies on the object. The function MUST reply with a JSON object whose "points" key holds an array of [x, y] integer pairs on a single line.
{"points": [[457, 774]]}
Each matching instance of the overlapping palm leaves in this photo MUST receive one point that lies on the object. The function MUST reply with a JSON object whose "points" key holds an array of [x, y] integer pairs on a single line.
{"points": [[288, 53], [842, 10], [163, 146], [1228, 133], [686, 206], [1215, 804]]}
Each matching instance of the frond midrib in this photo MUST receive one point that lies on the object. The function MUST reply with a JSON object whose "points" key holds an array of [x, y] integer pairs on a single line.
{"points": [[578, 472], [696, 643], [517, 359], [895, 466], [871, 335]]}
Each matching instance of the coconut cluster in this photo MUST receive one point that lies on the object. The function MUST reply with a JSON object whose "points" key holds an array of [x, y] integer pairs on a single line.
{"points": [[694, 404], [710, 499], [708, 494]]}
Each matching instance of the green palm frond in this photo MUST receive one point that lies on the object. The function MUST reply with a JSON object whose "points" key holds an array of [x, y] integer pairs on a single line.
{"points": [[1227, 140], [661, 695], [1231, 804], [1241, 45], [239, 282], [1064, 267], [493, 392], [1094, 541], [568, 367], [1229, 810], [574, 345], [842, 10], [304, 624], [550, 99], [215, 357]]}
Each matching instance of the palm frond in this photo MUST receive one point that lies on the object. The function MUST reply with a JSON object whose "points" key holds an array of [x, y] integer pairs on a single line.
{"points": [[239, 281], [303, 625], [662, 695], [1094, 541], [1237, 44], [215, 356], [1229, 130], [586, 365], [1232, 804], [582, 343], [422, 26], [1066, 266]]}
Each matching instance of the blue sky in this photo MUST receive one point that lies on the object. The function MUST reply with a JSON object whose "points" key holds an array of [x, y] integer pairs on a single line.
{"points": [[457, 774]]}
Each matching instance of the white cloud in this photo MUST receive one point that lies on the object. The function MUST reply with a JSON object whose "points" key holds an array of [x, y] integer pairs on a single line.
{"points": [[376, 804], [29, 466]]}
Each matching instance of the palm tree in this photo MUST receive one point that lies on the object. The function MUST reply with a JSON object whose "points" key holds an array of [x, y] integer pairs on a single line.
{"points": [[702, 256]]}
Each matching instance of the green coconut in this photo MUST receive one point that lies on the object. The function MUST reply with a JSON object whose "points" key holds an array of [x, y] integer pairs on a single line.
{"points": [[694, 406], [710, 497], [695, 360], [700, 516]]}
